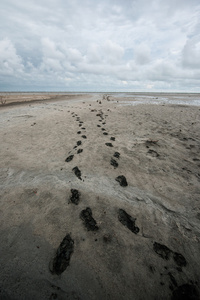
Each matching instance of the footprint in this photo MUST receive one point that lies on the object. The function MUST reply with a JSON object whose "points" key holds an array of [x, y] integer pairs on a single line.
{"points": [[84, 136], [112, 138], [79, 143], [153, 153], [79, 151], [127, 221], [122, 180], [79, 132], [69, 158], [88, 220], [63, 255], [109, 144], [83, 128], [165, 253], [162, 250], [77, 172], [116, 154], [113, 163], [103, 129], [105, 133], [75, 197], [98, 125]]}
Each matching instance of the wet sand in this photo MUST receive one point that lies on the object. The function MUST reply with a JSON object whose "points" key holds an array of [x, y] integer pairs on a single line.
{"points": [[99, 200]]}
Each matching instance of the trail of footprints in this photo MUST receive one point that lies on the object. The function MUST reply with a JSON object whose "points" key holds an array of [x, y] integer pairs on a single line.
{"points": [[63, 254]]}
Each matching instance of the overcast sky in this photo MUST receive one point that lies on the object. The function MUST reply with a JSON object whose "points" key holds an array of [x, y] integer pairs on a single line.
{"points": [[100, 45]]}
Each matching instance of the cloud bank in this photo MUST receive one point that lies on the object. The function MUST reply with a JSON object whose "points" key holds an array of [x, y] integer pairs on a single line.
{"points": [[132, 45]]}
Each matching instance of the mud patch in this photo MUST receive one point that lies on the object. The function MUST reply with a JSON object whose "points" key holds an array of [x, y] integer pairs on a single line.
{"points": [[63, 255], [88, 220], [127, 221], [122, 180], [75, 197]]}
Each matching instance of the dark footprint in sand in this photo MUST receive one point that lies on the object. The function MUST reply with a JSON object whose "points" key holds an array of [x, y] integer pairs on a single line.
{"points": [[112, 138], [79, 151], [113, 163], [103, 129], [122, 180], [84, 136], [98, 125], [80, 125], [63, 255], [83, 128], [88, 220], [105, 133], [153, 153], [79, 132], [116, 154], [109, 144], [75, 197], [77, 172], [165, 253], [79, 143], [104, 123], [69, 158], [127, 221], [162, 250]]}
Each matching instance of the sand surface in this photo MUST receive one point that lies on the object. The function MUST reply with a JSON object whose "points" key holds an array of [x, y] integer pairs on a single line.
{"points": [[69, 230]]}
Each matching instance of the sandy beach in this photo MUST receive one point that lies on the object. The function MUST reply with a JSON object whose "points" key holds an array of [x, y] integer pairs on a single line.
{"points": [[99, 196]]}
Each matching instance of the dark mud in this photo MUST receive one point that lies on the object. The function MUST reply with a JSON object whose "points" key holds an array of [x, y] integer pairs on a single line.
{"points": [[127, 221]]}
